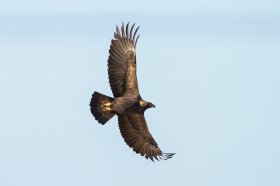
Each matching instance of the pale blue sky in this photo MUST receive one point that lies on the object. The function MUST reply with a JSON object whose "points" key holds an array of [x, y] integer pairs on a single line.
{"points": [[210, 67]]}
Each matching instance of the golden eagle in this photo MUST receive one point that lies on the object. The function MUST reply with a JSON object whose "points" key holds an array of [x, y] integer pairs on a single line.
{"points": [[127, 103]]}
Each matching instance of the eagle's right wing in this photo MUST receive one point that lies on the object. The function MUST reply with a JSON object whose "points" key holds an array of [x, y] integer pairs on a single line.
{"points": [[135, 132], [122, 62]]}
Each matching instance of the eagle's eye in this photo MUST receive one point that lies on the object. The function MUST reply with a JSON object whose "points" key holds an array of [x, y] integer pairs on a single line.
{"points": [[142, 103]]}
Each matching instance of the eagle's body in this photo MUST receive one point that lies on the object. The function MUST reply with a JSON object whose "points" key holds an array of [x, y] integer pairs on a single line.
{"points": [[127, 103]]}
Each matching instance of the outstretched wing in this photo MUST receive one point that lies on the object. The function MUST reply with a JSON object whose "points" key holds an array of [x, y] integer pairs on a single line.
{"points": [[135, 132], [122, 62]]}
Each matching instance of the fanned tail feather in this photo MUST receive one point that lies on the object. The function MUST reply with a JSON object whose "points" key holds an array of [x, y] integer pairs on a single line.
{"points": [[100, 107]]}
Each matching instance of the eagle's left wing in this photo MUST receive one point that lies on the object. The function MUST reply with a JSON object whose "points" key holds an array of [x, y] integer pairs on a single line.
{"points": [[122, 62], [135, 132]]}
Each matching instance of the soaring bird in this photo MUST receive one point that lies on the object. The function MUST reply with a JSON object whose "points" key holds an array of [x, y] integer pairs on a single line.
{"points": [[127, 103]]}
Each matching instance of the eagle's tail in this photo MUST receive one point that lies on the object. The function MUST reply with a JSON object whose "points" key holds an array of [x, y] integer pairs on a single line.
{"points": [[101, 107]]}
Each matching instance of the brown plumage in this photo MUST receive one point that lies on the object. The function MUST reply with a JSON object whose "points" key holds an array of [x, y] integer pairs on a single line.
{"points": [[127, 103]]}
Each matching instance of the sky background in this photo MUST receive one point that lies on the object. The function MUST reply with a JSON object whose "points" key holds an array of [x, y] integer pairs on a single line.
{"points": [[210, 67]]}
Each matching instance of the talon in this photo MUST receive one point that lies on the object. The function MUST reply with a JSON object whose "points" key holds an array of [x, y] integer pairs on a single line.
{"points": [[107, 104], [107, 108]]}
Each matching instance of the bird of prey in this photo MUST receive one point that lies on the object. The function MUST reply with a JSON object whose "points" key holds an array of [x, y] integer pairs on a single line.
{"points": [[127, 103]]}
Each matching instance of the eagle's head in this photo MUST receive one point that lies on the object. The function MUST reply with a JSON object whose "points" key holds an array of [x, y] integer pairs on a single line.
{"points": [[146, 104]]}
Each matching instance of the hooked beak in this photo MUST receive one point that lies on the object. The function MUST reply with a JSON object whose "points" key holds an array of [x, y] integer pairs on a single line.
{"points": [[152, 105]]}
